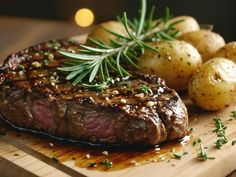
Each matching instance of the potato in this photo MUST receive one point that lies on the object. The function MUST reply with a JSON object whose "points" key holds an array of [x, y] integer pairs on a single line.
{"points": [[214, 86], [176, 62], [206, 41], [228, 51], [99, 31], [188, 24]]}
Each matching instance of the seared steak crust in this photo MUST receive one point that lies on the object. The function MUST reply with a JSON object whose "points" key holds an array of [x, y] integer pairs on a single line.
{"points": [[33, 94]]}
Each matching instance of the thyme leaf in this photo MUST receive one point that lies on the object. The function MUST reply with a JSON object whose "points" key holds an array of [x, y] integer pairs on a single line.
{"points": [[107, 163]]}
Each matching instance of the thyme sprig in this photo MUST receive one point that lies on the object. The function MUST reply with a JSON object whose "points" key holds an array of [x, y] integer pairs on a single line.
{"points": [[203, 156], [96, 66], [220, 131]]}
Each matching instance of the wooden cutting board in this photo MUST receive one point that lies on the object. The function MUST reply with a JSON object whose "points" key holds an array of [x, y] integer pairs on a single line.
{"points": [[24, 154]]}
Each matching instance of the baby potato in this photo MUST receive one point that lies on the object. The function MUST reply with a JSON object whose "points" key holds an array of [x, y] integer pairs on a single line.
{"points": [[176, 62], [99, 32], [228, 51], [214, 86], [206, 41], [188, 24]]}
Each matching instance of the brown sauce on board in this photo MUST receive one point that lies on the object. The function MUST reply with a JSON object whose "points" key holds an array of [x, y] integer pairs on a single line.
{"points": [[96, 158]]}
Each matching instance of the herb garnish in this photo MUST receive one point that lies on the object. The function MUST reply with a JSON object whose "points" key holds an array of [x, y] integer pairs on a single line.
{"points": [[107, 163], [233, 114], [197, 141], [233, 142], [146, 90], [94, 65], [179, 156], [203, 155], [21, 67], [220, 131]]}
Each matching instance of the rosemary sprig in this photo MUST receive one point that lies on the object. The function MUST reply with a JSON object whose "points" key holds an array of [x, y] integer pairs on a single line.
{"points": [[96, 66]]}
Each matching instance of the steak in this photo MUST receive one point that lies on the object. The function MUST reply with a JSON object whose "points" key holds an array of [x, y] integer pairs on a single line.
{"points": [[35, 95]]}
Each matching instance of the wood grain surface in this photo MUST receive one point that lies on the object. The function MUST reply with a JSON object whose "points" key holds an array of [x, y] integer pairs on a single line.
{"points": [[26, 155]]}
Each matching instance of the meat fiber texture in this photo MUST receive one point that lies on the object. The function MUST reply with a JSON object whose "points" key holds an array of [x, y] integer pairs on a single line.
{"points": [[35, 95]]}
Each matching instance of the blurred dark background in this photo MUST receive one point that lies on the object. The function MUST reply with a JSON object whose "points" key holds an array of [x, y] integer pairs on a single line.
{"points": [[218, 12]]}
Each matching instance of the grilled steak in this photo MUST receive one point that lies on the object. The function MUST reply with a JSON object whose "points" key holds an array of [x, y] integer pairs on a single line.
{"points": [[33, 94]]}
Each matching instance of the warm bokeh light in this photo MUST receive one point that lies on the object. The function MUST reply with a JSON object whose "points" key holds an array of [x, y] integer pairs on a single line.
{"points": [[84, 17]]}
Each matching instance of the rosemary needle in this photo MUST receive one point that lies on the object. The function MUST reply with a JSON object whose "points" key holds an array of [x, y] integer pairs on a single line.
{"points": [[96, 67]]}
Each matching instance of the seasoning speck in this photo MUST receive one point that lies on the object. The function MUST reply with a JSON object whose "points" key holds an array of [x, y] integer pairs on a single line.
{"points": [[150, 103], [51, 144], [154, 160], [115, 92], [143, 109], [87, 156], [36, 64], [92, 164], [134, 162], [51, 57], [105, 153], [162, 157], [139, 95], [123, 101]]}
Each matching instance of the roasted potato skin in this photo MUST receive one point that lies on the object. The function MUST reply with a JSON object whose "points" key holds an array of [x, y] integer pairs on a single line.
{"points": [[228, 51], [214, 86], [188, 24], [206, 41], [176, 62], [99, 31]]}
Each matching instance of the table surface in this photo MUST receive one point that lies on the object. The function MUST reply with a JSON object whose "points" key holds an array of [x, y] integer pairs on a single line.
{"points": [[19, 33]]}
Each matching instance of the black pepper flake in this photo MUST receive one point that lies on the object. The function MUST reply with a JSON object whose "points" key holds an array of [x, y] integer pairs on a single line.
{"points": [[2, 133], [55, 159]]}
